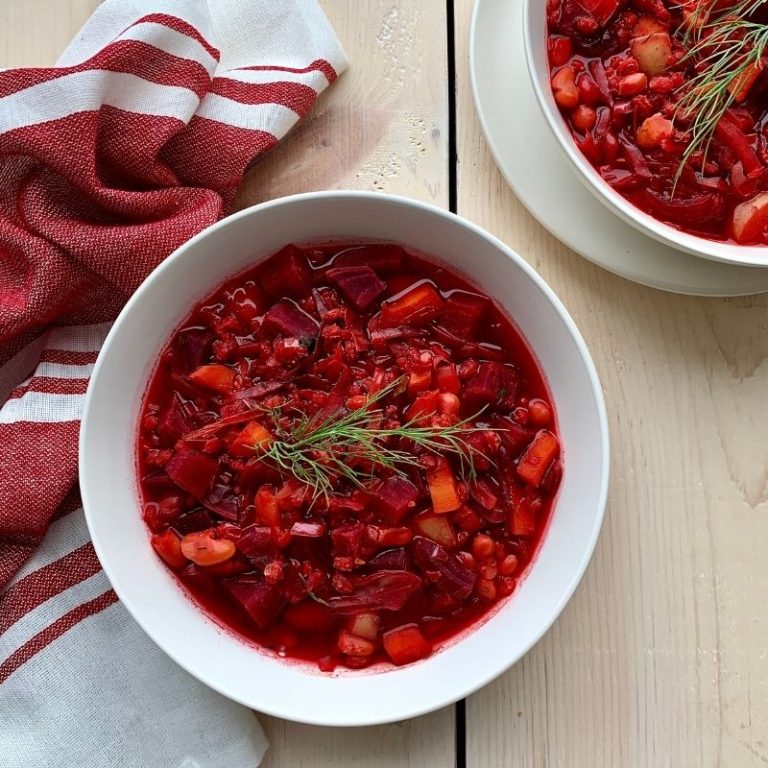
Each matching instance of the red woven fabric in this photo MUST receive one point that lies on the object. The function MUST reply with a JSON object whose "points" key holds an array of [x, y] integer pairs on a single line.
{"points": [[108, 162]]}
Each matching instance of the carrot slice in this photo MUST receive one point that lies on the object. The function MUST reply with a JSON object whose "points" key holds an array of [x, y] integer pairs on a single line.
{"points": [[252, 439], [218, 378], [417, 306], [538, 457], [406, 644], [442, 487]]}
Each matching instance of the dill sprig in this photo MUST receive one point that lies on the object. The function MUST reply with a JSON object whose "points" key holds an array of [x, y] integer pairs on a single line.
{"points": [[351, 446], [726, 48]]}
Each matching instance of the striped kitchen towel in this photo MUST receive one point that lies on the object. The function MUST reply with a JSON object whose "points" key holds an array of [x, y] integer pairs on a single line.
{"points": [[133, 143]]}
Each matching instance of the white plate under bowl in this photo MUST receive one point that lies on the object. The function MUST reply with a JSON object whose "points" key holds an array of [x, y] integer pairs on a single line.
{"points": [[217, 657], [534, 166]]}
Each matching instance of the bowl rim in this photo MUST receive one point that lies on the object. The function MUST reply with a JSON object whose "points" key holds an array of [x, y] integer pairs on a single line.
{"points": [[352, 719], [729, 253]]}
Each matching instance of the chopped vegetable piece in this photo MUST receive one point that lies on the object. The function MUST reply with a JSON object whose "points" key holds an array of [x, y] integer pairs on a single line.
{"points": [[193, 471], [361, 286], [437, 528], [261, 601], [416, 306], [385, 591], [218, 378], [168, 546], [442, 487], [406, 644], [286, 273], [287, 318], [253, 439], [355, 646], [365, 625], [203, 548], [538, 457]]}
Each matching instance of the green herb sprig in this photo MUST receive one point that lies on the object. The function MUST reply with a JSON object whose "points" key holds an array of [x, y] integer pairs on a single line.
{"points": [[320, 454], [726, 47]]}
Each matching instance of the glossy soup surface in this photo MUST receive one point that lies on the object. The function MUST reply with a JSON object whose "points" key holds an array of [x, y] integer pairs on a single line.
{"points": [[388, 563], [619, 69]]}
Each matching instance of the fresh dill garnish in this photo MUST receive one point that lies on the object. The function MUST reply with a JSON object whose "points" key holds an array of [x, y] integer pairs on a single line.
{"points": [[351, 446], [726, 48]]}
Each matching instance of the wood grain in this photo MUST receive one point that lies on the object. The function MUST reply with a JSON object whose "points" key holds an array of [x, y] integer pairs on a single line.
{"points": [[661, 658], [383, 126]]}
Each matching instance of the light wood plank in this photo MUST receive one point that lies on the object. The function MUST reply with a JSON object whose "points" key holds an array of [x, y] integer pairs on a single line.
{"points": [[383, 126], [660, 659]]}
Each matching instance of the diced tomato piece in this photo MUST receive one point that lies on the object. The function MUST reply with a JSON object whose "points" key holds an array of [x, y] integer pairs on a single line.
{"points": [[267, 510], [287, 273], [442, 487], [365, 625], [393, 497], [204, 548], [416, 306], [406, 644], [538, 457], [168, 546], [437, 528], [361, 286], [218, 378], [253, 439], [193, 471]]}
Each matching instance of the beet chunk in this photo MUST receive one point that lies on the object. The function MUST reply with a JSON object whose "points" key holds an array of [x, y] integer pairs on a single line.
{"points": [[393, 497], [383, 591], [286, 318], [493, 383], [287, 273], [361, 286], [451, 576], [193, 471], [383, 257], [261, 601]]}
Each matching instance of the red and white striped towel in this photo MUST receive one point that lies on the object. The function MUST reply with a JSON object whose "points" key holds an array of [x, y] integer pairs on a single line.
{"points": [[133, 143]]}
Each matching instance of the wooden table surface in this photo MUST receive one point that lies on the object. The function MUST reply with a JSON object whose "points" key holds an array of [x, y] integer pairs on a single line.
{"points": [[661, 658]]}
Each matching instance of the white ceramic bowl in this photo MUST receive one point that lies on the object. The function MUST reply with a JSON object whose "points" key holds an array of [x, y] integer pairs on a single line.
{"points": [[198, 643], [535, 37]]}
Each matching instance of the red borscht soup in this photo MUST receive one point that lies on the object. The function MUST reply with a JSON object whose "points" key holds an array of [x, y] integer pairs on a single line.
{"points": [[666, 99], [347, 455]]}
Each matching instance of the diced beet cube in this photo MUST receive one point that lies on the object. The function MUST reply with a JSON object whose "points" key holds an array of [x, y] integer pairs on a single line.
{"points": [[393, 497], [383, 257], [288, 319], [193, 471], [173, 421], [261, 601], [255, 540], [385, 591], [346, 540], [493, 383], [417, 306], [463, 312], [361, 286], [191, 348], [450, 575], [287, 273], [406, 644]]}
